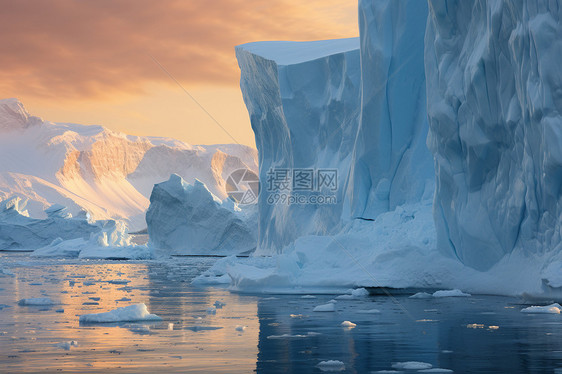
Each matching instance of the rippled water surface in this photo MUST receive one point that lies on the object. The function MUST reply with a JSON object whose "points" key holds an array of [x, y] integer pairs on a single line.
{"points": [[264, 333]]}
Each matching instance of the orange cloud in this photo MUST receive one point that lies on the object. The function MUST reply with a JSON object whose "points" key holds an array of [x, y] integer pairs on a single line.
{"points": [[70, 49]]}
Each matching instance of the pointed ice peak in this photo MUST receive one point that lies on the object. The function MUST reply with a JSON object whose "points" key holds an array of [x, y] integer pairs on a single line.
{"points": [[13, 115]]}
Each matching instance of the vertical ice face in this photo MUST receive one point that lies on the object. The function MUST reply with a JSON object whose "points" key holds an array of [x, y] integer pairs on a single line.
{"points": [[391, 164], [494, 90], [303, 101]]}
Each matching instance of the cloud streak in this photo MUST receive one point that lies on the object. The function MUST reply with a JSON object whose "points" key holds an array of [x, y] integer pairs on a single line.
{"points": [[95, 49]]}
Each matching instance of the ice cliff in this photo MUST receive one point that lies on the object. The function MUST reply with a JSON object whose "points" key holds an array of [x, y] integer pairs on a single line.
{"points": [[303, 100], [187, 219], [494, 89], [391, 164], [355, 105]]}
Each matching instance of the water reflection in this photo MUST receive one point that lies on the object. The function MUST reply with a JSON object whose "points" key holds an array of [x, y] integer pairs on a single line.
{"points": [[213, 330]]}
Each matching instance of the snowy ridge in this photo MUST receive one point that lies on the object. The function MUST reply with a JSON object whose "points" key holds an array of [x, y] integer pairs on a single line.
{"points": [[109, 174]]}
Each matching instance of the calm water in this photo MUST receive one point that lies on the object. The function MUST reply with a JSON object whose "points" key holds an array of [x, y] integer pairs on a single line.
{"points": [[481, 334]]}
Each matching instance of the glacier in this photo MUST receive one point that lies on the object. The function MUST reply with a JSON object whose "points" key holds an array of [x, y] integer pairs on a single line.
{"points": [[106, 173], [494, 92], [187, 219]]}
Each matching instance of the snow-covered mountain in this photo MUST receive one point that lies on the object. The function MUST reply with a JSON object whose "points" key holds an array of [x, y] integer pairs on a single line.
{"points": [[107, 173]]}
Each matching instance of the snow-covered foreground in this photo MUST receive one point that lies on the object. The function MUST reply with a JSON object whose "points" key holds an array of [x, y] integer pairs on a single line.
{"points": [[243, 333]]}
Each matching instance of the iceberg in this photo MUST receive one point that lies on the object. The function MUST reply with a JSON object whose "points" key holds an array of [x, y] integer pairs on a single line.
{"points": [[19, 231], [391, 163], [131, 313], [494, 93], [187, 219], [303, 101]]}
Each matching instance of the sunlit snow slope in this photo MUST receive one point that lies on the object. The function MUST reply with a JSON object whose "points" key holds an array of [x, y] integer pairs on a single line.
{"points": [[107, 173]]}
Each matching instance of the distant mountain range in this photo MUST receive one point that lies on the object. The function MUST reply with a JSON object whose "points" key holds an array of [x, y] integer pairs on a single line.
{"points": [[107, 173]]}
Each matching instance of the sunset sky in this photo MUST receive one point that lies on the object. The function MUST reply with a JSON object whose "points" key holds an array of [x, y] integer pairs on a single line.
{"points": [[90, 61]]}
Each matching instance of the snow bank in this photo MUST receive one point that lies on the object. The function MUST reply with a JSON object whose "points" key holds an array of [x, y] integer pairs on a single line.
{"points": [[131, 313], [189, 219]]}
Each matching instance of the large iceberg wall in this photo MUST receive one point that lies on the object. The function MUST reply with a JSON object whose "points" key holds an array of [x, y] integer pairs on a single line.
{"points": [[494, 90], [303, 101], [392, 165], [331, 104]]}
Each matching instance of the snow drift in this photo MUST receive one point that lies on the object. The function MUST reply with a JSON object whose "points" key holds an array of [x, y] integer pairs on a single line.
{"points": [[188, 219]]}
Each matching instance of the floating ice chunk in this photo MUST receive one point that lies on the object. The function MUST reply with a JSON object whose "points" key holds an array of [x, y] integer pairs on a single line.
{"points": [[219, 304], [548, 309], [330, 307], [436, 370], [369, 311], [119, 281], [66, 345], [308, 297], [345, 297], [135, 312], [37, 301], [421, 295], [123, 299], [359, 292], [411, 365], [331, 365], [348, 324], [240, 328], [297, 336], [450, 293]]}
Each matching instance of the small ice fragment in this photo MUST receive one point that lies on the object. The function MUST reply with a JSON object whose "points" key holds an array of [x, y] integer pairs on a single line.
{"points": [[360, 292], [421, 295], [493, 327], [436, 370], [548, 309], [345, 297], [330, 307], [308, 297], [123, 299], [369, 311], [212, 310], [118, 281], [450, 293], [219, 304], [411, 365], [36, 301], [66, 345], [333, 301], [331, 365], [240, 328], [170, 326], [475, 326], [348, 324], [135, 312]]}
